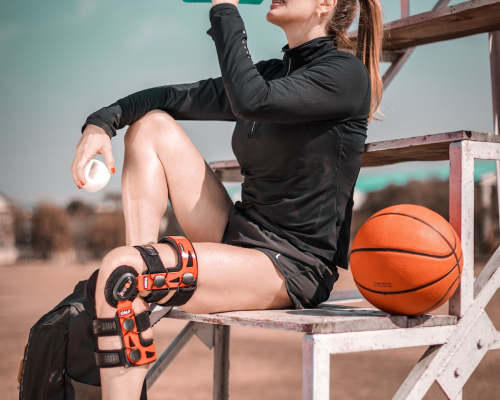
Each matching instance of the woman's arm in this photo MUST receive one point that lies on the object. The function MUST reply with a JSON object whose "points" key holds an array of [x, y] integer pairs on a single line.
{"points": [[204, 100], [333, 88]]}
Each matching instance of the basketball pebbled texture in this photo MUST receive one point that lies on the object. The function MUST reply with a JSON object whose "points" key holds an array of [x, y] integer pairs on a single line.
{"points": [[406, 260]]}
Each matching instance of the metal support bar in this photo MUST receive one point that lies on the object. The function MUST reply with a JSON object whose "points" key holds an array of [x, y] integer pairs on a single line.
{"points": [[441, 3], [414, 385], [172, 351], [462, 220], [473, 325], [352, 342], [399, 62], [405, 8], [494, 42], [396, 66], [315, 369], [465, 359], [207, 335], [221, 362]]}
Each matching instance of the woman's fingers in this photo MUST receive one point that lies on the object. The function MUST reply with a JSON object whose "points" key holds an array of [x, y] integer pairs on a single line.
{"points": [[94, 141], [80, 167], [74, 166], [108, 158]]}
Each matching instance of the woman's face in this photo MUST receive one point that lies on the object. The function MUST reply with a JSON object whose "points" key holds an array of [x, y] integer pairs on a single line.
{"points": [[285, 12]]}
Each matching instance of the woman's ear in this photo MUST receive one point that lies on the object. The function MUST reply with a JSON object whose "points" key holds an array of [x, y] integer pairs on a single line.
{"points": [[327, 5]]}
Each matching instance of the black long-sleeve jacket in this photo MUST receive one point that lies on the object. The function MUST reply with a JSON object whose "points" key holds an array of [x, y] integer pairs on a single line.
{"points": [[300, 130]]}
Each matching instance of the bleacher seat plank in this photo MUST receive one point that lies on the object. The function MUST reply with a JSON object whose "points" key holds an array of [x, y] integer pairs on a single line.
{"points": [[445, 23], [325, 318], [422, 148]]}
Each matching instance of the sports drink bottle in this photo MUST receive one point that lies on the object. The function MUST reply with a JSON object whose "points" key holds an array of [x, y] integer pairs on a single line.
{"points": [[209, 1]]}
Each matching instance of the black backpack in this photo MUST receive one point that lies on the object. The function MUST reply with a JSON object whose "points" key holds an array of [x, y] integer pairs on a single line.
{"points": [[59, 362]]}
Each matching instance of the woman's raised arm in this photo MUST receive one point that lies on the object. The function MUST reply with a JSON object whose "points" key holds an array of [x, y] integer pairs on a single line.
{"points": [[204, 100], [331, 88]]}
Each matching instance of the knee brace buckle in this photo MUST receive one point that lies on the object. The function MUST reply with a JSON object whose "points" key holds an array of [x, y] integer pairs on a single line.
{"points": [[136, 351], [160, 280]]}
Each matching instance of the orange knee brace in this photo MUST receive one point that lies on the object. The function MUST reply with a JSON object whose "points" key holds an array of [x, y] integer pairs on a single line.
{"points": [[122, 288]]}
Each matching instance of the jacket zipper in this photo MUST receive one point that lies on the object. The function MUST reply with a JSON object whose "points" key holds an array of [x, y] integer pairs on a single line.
{"points": [[250, 135]]}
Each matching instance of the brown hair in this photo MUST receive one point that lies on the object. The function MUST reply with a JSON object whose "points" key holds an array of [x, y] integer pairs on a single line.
{"points": [[369, 45]]}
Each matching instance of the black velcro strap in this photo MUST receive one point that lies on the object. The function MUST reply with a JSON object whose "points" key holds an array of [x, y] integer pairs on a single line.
{"points": [[173, 243], [111, 358], [106, 327], [151, 258], [142, 321], [111, 327], [156, 295], [180, 297]]}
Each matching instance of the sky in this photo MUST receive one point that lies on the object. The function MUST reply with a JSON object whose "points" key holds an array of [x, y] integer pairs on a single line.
{"points": [[61, 60]]}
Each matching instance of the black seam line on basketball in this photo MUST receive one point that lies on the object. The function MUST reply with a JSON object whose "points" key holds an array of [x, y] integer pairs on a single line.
{"points": [[439, 233], [402, 251], [437, 302], [414, 289], [418, 219]]}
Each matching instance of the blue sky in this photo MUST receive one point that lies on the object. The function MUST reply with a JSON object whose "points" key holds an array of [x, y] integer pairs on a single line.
{"points": [[60, 60]]}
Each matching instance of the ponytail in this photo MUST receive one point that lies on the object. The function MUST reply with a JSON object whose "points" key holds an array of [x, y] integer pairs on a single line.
{"points": [[369, 44], [369, 48]]}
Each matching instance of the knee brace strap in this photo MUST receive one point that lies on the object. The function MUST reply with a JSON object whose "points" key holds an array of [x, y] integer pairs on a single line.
{"points": [[160, 280], [136, 351], [111, 326]]}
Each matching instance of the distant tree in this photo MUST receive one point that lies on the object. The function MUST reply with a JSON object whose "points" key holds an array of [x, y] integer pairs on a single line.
{"points": [[78, 207], [50, 232], [105, 233], [433, 194], [22, 225]]}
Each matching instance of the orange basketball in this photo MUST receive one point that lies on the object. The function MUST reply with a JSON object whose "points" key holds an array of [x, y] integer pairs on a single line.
{"points": [[406, 260]]}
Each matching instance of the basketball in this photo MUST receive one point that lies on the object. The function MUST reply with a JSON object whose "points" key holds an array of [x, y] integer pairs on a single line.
{"points": [[406, 260]]}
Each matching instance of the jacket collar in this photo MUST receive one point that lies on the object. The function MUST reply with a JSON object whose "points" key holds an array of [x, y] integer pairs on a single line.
{"points": [[306, 52]]}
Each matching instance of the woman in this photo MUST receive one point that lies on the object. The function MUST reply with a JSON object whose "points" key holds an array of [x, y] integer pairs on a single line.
{"points": [[300, 130]]}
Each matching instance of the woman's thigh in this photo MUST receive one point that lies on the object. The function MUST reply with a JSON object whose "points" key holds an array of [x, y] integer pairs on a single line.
{"points": [[199, 199], [236, 278], [232, 278]]}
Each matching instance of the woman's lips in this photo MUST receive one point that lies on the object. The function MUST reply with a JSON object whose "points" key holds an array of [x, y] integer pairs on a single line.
{"points": [[276, 4]]}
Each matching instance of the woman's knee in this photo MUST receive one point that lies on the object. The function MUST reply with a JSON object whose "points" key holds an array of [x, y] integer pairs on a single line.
{"points": [[149, 126], [126, 255]]}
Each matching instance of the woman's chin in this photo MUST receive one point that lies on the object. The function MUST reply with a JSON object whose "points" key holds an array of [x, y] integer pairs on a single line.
{"points": [[273, 18]]}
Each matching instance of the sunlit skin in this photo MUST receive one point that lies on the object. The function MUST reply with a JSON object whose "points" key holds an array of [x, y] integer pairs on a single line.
{"points": [[161, 163]]}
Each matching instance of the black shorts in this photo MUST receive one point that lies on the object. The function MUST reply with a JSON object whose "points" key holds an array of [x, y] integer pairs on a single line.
{"points": [[308, 280]]}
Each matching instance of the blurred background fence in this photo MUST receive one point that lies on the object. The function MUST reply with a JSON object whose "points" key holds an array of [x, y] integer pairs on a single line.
{"points": [[83, 232]]}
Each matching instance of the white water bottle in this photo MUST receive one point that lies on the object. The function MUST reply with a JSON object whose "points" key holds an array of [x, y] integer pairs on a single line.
{"points": [[96, 176]]}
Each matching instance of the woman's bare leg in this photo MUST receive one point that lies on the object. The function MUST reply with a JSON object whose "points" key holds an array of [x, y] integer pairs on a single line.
{"points": [[229, 278], [161, 161]]}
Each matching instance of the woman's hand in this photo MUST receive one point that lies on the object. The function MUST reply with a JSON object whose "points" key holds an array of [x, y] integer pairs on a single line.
{"points": [[215, 2], [94, 141]]}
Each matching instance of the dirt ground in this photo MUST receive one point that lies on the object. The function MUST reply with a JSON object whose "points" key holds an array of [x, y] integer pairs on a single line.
{"points": [[265, 364]]}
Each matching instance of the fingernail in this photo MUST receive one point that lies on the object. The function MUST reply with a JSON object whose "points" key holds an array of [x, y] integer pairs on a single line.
{"points": [[82, 184], [112, 170], [79, 187]]}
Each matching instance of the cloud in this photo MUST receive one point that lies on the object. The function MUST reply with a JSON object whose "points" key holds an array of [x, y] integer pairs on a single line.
{"points": [[8, 33]]}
